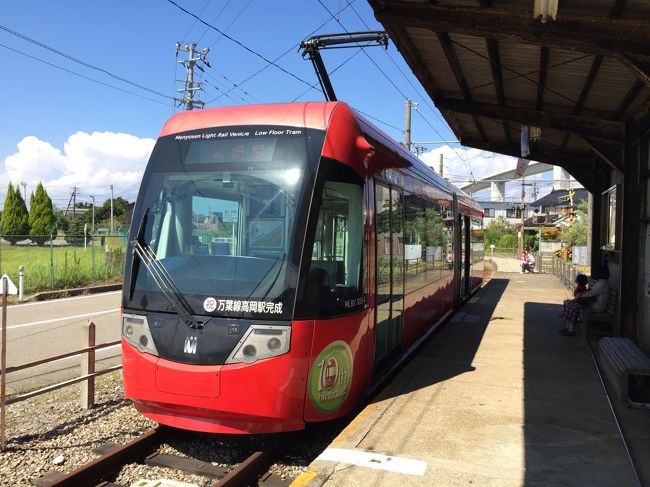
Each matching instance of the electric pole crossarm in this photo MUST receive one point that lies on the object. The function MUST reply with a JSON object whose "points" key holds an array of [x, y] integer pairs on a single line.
{"points": [[312, 46]]}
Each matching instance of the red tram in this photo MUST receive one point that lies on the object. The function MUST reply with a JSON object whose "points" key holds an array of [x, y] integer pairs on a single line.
{"points": [[284, 259]]}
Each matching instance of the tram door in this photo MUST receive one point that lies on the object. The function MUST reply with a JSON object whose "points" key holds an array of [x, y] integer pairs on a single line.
{"points": [[390, 275], [465, 259]]}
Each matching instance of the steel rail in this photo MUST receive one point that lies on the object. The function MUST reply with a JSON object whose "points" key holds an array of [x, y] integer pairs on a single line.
{"points": [[616, 420], [110, 462]]}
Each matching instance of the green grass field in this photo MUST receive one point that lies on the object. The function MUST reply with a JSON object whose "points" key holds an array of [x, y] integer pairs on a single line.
{"points": [[63, 266]]}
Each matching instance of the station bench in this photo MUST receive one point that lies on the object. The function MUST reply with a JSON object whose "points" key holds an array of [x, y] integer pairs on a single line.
{"points": [[590, 319], [627, 370]]}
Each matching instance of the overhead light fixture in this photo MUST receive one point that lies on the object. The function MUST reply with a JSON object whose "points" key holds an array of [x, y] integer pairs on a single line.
{"points": [[545, 9], [535, 134]]}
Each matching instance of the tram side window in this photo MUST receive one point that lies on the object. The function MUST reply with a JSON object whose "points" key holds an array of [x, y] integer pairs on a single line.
{"points": [[424, 247], [333, 283], [477, 245], [447, 220]]}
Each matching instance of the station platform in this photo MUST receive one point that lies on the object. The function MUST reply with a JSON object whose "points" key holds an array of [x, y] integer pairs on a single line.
{"points": [[496, 398]]}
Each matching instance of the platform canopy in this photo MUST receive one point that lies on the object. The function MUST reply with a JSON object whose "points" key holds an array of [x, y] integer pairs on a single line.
{"points": [[490, 66]]}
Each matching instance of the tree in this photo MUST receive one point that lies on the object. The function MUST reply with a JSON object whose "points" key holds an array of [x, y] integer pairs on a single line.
{"points": [[15, 220], [75, 233], [497, 229], [576, 234], [103, 213], [41, 216]]}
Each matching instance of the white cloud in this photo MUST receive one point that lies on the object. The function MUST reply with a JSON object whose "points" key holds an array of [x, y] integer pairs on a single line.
{"points": [[92, 162], [458, 162]]}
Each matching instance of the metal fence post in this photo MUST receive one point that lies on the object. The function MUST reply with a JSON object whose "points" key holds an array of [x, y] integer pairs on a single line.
{"points": [[92, 256], [52, 261], [3, 365], [87, 399], [21, 282]]}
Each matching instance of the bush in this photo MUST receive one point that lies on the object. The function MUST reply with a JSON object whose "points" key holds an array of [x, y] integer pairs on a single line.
{"points": [[75, 233], [507, 241]]}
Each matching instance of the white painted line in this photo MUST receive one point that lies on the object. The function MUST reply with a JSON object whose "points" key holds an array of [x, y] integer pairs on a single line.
{"points": [[458, 316], [471, 318], [50, 301], [75, 317], [374, 460]]}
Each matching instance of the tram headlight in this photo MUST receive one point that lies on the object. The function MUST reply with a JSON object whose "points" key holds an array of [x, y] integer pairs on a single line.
{"points": [[135, 330], [260, 342]]}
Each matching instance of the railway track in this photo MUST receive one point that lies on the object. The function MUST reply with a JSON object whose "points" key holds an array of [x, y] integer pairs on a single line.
{"points": [[144, 450]]}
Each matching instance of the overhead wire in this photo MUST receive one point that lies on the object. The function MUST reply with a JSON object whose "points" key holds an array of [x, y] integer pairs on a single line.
{"points": [[240, 44], [81, 75], [195, 21], [331, 72], [423, 98], [243, 9], [79, 61], [395, 86], [291, 49]]}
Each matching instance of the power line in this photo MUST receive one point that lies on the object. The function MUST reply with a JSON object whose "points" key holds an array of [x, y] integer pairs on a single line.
{"points": [[79, 61], [291, 49], [396, 87], [195, 21], [332, 72], [424, 98], [240, 44], [243, 9], [80, 75]]}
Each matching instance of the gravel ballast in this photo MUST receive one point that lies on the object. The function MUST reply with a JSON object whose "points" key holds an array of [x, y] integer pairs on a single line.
{"points": [[52, 432]]}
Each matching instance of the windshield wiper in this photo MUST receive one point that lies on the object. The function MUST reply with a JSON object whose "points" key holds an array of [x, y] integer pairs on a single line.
{"points": [[163, 279]]}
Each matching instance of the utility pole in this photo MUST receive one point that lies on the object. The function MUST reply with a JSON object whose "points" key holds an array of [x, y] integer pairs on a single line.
{"points": [[93, 198], [24, 185], [407, 125], [440, 166], [193, 58], [112, 225], [74, 201]]}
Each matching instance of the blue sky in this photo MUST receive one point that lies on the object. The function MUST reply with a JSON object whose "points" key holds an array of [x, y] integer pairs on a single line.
{"points": [[87, 124]]}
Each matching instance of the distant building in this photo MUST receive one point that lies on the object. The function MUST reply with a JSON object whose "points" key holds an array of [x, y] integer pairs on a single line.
{"points": [[510, 210], [553, 209], [549, 210]]}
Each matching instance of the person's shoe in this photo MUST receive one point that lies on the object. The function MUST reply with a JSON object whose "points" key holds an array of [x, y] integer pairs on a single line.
{"points": [[568, 333]]}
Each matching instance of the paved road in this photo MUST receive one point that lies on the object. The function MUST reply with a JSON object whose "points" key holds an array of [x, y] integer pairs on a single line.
{"points": [[44, 329]]}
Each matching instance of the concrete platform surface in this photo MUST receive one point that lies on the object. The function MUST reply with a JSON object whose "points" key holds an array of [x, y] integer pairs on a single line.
{"points": [[496, 398]]}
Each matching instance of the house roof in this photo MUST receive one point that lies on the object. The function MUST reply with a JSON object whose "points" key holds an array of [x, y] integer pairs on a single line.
{"points": [[560, 197]]}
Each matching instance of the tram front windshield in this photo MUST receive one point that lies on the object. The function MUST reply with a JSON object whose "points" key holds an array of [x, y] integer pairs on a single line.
{"points": [[220, 212]]}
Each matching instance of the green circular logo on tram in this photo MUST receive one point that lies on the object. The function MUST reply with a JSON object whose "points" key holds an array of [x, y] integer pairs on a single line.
{"points": [[330, 377]]}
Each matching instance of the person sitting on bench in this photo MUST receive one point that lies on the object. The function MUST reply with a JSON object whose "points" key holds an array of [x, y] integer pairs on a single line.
{"points": [[580, 288], [595, 299]]}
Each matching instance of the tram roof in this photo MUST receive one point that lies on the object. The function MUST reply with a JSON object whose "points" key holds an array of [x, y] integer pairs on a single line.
{"points": [[316, 115], [490, 66]]}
